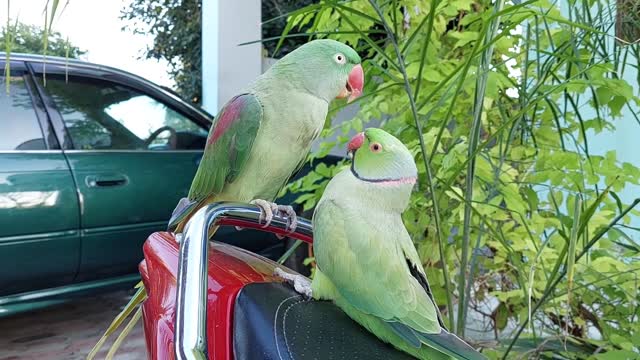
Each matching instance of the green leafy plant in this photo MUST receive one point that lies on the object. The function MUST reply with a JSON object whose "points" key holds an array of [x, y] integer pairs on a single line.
{"points": [[34, 40], [500, 102], [176, 30]]}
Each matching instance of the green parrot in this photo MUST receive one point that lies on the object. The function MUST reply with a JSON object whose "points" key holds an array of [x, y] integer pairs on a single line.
{"points": [[366, 261], [262, 136]]}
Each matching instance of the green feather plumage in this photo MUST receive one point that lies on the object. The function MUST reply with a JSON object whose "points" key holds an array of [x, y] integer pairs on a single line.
{"points": [[367, 263], [282, 112]]}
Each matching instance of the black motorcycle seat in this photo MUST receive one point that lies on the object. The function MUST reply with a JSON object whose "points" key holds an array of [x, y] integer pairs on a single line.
{"points": [[273, 322]]}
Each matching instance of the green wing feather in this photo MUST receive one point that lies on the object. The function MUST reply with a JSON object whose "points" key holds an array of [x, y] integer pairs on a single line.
{"points": [[228, 147]]}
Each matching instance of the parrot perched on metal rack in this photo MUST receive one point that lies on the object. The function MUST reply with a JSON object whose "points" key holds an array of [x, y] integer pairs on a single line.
{"points": [[366, 261], [262, 136]]}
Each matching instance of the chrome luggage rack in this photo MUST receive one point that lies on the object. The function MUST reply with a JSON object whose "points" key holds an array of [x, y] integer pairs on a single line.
{"points": [[191, 315]]}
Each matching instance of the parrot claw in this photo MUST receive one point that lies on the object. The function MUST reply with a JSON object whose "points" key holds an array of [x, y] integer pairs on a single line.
{"points": [[267, 209], [291, 214], [301, 284]]}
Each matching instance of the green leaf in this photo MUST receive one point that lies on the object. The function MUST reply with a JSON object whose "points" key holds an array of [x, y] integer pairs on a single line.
{"points": [[618, 355], [616, 104], [501, 316], [54, 8], [464, 38], [622, 342], [304, 197]]}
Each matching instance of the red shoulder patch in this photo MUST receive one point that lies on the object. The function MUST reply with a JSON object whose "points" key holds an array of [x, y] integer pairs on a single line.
{"points": [[229, 114]]}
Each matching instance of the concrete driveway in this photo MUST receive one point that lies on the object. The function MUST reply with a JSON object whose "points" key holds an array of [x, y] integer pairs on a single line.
{"points": [[68, 331]]}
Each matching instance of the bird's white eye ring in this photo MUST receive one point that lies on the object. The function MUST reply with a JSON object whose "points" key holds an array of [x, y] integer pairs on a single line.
{"points": [[340, 58], [376, 147]]}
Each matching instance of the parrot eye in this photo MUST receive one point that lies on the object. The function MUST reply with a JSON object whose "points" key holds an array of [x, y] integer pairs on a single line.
{"points": [[340, 59], [375, 147]]}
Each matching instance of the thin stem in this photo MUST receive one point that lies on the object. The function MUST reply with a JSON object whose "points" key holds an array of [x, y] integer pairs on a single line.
{"points": [[7, 51], [425, 158], [289, 251], [425, 46], [481, 84]]}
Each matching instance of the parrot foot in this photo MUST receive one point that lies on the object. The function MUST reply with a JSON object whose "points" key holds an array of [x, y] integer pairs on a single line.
{"points": [[267, 209], [291, 214], [178, 237], [301, 284]]}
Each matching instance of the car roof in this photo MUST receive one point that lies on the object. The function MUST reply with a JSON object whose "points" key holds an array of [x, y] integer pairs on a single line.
{"points": [[88, 65], [64, 61]]}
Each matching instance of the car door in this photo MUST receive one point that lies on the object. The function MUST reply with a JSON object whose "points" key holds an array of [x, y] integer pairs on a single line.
{"points": [[39, 214], [132, 156]]}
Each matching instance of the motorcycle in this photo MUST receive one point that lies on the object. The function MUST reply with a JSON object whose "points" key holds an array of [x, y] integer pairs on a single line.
{"points": [[209, 300]]}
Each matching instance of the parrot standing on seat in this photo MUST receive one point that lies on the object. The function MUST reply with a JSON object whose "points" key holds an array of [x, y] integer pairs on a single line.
{"points": [[262, 136], [366, 261]]}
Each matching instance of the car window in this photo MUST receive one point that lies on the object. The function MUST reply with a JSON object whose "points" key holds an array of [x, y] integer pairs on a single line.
{"points": [[102, 115], [19, 126]]}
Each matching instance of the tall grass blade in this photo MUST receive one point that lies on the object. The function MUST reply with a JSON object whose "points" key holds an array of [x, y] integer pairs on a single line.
{"points": [[573, 240], [127, 329], [7, 50], [474, 137], [133, 303], [289, 251]]}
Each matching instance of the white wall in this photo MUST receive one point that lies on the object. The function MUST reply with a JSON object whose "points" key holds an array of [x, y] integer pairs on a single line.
{"points": [[226, 67]]}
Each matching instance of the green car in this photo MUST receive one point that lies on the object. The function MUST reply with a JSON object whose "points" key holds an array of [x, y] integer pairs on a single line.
{"points": [[92, 161]]}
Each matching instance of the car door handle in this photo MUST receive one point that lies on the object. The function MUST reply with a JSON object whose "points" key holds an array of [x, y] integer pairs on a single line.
{"points": [[106, 180]]}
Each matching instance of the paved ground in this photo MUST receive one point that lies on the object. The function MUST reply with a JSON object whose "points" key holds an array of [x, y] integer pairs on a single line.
{"points": [[68, 332]]}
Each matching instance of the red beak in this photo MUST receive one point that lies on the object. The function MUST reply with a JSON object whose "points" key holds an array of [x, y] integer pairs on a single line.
{"points": [[353, 87], [355, 82], [356, 142]]}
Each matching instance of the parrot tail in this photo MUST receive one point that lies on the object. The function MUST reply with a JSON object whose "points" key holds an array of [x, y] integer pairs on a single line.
{"points": [[182, 213], [444, 342], [451, 345], [133, 304]]}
